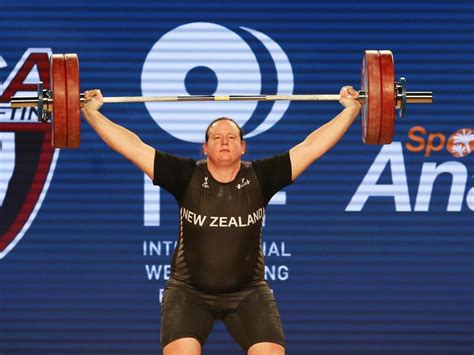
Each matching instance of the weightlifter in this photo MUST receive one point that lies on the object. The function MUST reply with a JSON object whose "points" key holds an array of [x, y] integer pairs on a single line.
{"points": [[218, 265]]}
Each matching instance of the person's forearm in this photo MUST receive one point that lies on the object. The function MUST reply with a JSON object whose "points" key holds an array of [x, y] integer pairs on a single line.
{"points": [[115, 136], [326, 136]]}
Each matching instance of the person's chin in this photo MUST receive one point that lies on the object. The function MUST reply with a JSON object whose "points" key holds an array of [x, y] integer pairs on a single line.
{"points": [[225, 155], [226, 159]]}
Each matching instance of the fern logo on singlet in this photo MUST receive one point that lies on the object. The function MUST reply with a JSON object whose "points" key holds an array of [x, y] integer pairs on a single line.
{"points": [[203, 58], [205, 184]]}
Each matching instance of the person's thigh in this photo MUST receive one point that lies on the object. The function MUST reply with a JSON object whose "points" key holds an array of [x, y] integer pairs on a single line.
{"points": [[256, 320], [183, 346], [266, 349], [182, 316]]}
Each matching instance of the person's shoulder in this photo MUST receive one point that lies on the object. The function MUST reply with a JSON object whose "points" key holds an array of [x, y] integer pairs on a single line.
{"points": [[201, 167], [246, 164]]}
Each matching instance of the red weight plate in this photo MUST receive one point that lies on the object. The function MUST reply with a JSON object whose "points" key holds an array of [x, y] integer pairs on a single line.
{"points": [[73, 101], [387, 71], [58, 85], [371, 84]]}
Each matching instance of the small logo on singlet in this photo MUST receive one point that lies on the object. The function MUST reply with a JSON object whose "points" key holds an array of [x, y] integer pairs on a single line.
{"points": [[205, 184], [243, 183]]}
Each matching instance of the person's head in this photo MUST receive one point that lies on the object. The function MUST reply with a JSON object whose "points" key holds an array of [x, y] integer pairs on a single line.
{"points": [[224, 141]]}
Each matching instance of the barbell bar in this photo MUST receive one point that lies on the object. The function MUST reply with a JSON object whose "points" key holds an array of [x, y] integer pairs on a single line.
{"points": [[34, 101], [380, 96]]}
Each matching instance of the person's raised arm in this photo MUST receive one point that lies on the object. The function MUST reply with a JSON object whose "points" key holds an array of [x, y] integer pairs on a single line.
{"points": [[117, 137], [325, 137]]}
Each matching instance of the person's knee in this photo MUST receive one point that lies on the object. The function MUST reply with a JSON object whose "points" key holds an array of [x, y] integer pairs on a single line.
{"points": [[183, 346], [266, 349]]}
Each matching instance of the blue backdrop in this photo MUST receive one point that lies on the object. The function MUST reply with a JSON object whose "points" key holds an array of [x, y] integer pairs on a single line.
{"points": [[370, 251]]}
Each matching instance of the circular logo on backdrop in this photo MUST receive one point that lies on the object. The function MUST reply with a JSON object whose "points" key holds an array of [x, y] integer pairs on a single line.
{"points": [[461, 142], [204, 58]]}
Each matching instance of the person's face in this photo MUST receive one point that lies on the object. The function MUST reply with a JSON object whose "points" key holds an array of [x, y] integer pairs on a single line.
{"points": [[224, 145]]}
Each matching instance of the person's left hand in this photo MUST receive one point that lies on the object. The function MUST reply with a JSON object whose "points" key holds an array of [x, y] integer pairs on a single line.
{"points": [[349, 97]]}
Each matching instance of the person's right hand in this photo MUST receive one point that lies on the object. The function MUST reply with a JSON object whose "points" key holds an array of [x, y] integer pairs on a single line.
{"points": [[94, 100]]}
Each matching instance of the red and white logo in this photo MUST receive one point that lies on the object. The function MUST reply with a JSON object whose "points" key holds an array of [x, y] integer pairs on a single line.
{"points": [[461, 142], [27, 158]]}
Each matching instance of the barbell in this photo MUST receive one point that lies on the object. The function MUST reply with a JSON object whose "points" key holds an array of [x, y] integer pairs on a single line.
{"points": [[380, 95]]}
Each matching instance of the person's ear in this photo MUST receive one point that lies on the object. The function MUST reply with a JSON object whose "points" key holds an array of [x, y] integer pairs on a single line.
{"points": [[244, 147], [204, 148]]}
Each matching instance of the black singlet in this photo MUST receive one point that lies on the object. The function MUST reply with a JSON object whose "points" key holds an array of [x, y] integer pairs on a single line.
{"points": [[219, 242]]}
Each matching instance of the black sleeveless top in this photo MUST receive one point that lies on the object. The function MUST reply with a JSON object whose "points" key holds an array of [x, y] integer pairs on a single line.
{"points": [[219, 242]]}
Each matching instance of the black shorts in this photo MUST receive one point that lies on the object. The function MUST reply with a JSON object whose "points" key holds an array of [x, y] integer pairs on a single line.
{"points": [[250, 315]]}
